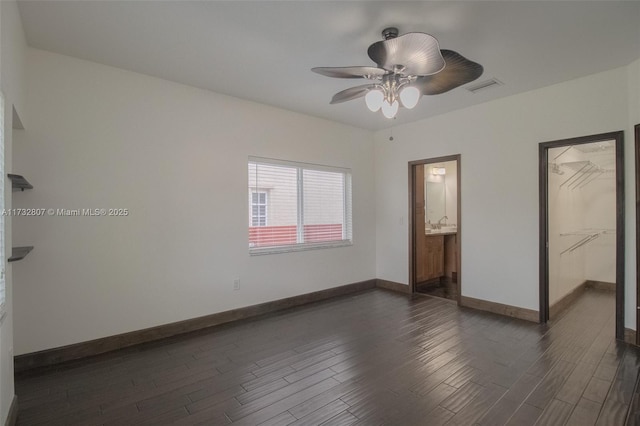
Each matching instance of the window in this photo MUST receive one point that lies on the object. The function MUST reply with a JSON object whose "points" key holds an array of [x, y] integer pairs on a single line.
{"points": [[258, 208], [297, 206]]}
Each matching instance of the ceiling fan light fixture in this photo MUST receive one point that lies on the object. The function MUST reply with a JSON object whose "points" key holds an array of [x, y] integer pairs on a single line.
{"points": [[406, 68], [409, 96], [390, 110], [374, 99]]}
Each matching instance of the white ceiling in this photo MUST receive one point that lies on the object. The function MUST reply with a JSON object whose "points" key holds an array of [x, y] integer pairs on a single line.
{"points": [[264, 50]]}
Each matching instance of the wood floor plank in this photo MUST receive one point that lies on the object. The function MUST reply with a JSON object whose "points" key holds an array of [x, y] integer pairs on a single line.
{"points": [[285, 404], [478, 406], [373, 358], [343, 419], [597, 390], [550, 385], [556, 413], [276, 395], [282, 419], [322, 414], [463, 396], [585, 413], [573, 388], [620, 396], [500, 413], [525, 415]]}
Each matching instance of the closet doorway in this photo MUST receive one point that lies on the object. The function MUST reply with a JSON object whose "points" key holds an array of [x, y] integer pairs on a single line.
{"points": [[435, 226], [582, 228]]}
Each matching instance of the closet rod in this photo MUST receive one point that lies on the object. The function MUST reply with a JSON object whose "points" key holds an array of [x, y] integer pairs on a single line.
{"points": [[582, 242], [573, 175], [584, 176], [594, 177], [560, 155]]}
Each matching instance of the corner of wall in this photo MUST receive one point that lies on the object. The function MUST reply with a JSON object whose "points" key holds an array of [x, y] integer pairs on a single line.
{"points": [[12, 50]]}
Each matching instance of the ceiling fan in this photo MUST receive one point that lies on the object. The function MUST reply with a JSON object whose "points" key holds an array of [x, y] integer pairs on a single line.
{"points": [[408, 66]]}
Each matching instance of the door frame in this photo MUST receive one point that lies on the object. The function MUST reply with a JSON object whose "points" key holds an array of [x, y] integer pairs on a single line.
{"points": [[543, 151], [412, 201], [637, 137]]}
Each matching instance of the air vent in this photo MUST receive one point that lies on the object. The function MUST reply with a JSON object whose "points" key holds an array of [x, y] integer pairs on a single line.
{"points": [[487, 84]]}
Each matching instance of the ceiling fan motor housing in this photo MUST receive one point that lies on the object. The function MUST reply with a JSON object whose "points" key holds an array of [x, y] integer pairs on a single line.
{"points": [[389, 33]]}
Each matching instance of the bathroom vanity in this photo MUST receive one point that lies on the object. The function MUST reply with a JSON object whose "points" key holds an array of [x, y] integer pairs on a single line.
{"points": [[439, 256]]}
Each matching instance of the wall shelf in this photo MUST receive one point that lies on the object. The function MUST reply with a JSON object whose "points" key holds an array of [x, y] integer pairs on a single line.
{"points": [[19, 183], [19, 253]]}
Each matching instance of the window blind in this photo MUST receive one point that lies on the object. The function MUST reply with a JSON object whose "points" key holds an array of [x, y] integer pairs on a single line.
{"points": [[296, 206]]}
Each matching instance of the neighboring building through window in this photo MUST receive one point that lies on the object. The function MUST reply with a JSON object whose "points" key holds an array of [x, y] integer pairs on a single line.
{"points": [[258, 208], [297, 206]]}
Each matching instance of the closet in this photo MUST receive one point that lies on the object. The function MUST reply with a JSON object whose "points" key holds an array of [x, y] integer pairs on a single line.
{"points": [[581, 222]]}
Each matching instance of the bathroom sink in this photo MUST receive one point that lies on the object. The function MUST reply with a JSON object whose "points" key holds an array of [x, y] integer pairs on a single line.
{"points": [[443, 230]]}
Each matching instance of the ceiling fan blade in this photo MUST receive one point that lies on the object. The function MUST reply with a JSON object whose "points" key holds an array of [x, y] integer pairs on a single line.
{"points": [[351, 93], [350, 72], [418, 53], [458, 71]]}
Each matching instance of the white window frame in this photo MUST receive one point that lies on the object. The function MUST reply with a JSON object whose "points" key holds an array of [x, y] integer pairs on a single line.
{"points": [[347, 229]]}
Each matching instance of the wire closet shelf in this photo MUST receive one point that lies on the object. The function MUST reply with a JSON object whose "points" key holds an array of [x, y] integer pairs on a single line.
{"points": [[586, 236]]}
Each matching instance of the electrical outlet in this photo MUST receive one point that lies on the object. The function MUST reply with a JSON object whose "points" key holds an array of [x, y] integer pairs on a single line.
{"points": [[236, 284]]}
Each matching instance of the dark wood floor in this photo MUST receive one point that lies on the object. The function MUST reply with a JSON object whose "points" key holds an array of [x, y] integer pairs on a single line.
{"points": [[444, 288], [374, 358]]}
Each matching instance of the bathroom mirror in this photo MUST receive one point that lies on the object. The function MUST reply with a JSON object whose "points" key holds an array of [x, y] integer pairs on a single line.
{"points": [[435, 199], [441, 194]]}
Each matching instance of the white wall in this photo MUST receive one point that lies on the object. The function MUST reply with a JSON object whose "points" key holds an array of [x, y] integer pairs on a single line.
{"points": [[633, 80], [176, 157], [12, 50], [451, 188], [498, 141]]}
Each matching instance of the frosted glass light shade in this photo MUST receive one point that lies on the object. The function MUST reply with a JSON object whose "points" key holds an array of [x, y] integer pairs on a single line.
{"points": [[409, 96], [374, 99], [390, 110]]}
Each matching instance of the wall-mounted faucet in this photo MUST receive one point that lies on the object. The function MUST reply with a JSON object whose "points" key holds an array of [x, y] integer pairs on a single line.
{"points": [[439, 224]]}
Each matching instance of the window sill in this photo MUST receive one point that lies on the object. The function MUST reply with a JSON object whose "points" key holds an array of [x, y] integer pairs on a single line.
{"points": [[298, 247]]}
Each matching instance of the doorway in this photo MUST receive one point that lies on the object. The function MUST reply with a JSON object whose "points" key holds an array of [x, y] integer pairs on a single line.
{"points": [[435, 227], [581, 190]]}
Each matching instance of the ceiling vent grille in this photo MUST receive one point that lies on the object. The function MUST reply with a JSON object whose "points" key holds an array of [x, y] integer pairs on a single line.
{"points": [[487, 84]]}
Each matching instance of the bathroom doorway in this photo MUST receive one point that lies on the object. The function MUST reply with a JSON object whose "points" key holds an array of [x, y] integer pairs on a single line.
{"points": [[435, 227], [582, 227]]}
